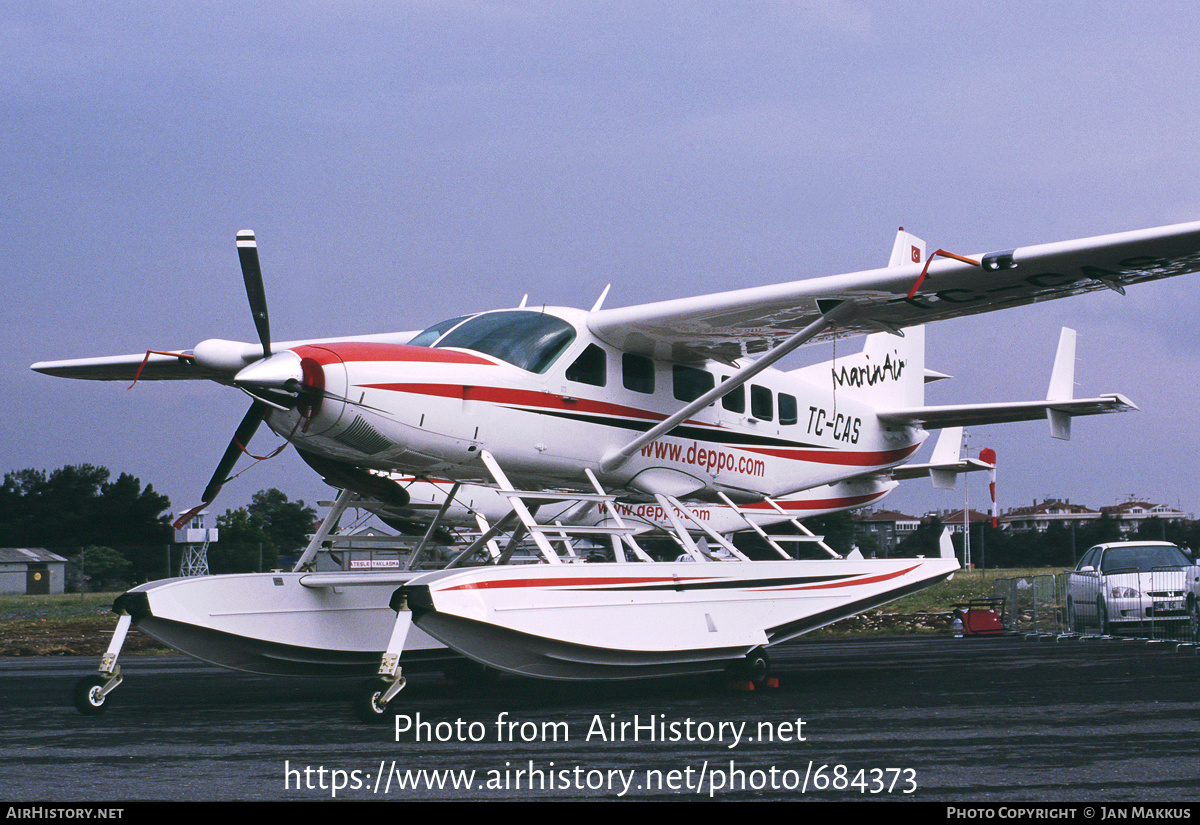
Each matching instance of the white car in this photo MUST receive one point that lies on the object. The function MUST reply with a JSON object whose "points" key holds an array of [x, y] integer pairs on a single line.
{"points": [[1128, 584]]}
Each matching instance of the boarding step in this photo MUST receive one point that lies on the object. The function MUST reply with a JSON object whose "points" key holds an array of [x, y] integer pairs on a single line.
{"points": [[817, 539], [581, 530], [543, 497]]}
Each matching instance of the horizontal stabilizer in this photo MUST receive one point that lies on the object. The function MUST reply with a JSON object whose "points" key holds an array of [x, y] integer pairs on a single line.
{"points": [[945, 464], [1059, 407], [970, 415]]}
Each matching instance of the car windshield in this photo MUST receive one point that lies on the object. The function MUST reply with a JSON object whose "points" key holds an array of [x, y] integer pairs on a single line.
{"points": [[529, 340], [1142, 559]]}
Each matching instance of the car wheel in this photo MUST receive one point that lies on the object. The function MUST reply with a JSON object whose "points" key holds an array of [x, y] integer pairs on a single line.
{"points": [[1102, 618], [1194, 619]]}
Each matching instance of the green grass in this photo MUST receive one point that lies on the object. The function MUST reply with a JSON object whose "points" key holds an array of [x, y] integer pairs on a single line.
{"points": [[60, 607], [927, 611], [966, 584]]}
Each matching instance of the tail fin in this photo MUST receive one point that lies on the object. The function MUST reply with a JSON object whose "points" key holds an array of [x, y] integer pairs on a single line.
{"points": [[890, 370], [888, 373], [1062, 384]]}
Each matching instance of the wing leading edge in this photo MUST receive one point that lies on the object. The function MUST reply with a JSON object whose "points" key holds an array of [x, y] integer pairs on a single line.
{"points": [[730, 325], [213, 360]]}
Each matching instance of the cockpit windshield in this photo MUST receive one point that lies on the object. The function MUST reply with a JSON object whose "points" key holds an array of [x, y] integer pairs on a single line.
{"points": [[428, 336], [529, 340]]}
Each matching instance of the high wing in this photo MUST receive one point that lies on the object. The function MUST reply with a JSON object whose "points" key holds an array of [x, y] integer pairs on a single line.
{"points": [[729, 325], [213, 360]]}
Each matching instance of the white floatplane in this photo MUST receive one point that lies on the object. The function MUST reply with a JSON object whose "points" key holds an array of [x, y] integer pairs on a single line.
{"points": [[670, 402], [336, 623]]}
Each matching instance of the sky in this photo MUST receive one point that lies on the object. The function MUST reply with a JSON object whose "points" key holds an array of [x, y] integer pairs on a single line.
{"points": [[404, 162]]}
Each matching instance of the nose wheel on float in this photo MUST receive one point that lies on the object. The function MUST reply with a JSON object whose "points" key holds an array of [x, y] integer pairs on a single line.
{"points": [[90, 695], [373, 696]]}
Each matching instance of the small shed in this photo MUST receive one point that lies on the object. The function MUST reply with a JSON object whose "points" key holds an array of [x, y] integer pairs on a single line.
{"points": [[33, 571]]}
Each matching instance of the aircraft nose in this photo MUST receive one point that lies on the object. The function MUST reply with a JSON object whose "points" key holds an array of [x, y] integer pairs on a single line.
{"points": [[281, 372]]}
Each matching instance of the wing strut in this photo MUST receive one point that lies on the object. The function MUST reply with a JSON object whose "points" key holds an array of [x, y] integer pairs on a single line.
{"points": [[836, 312]]}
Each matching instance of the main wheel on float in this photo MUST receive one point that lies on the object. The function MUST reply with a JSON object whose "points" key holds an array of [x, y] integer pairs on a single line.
{"points": [[755, 668]]}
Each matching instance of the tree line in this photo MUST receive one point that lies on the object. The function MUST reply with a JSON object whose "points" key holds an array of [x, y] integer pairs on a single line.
{"points": [[122, 532], [1058, 546], [127, 534]]}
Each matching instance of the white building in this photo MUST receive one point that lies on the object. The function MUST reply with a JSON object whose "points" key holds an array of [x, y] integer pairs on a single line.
{"points": [[32, 571]]}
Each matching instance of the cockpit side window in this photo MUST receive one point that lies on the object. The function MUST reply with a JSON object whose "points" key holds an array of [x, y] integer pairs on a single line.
{"points": [[591, 367], [529, 340]]}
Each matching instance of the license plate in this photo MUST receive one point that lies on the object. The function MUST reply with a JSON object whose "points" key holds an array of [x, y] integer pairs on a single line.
{"points": [[1162, 607]]}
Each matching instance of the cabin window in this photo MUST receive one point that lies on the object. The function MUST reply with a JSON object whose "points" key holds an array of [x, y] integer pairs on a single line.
{"points": [[691, 383], [787, 409], [762, 406], [591, 367], [529, 340], [734, 400], [637, 373]]}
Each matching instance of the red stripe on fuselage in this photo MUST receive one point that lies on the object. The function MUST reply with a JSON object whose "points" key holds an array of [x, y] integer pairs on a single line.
{"points": [[814, 503], [366, 351], [523, 398], [836, 456], [538, 400]]}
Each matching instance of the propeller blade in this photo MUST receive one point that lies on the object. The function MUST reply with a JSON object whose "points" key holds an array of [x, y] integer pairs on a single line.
{"points": [[247, 248], [241, 437]]}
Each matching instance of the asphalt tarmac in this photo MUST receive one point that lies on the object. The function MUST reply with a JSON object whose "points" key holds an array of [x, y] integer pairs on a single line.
{"points": [[999, 720]]}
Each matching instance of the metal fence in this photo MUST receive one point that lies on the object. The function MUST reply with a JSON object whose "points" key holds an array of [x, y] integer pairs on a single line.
{"points": [[1160, 604], [1030, 603]]}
